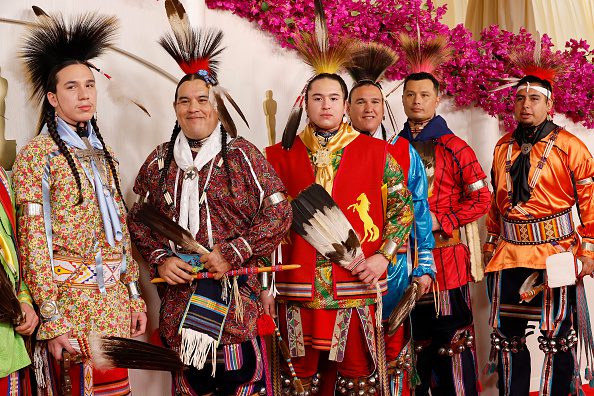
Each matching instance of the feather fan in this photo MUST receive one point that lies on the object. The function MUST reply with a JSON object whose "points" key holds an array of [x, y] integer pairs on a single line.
{"points": [[403, 309], [111, 352], [10, 307], [318, 219], [149, 215]]}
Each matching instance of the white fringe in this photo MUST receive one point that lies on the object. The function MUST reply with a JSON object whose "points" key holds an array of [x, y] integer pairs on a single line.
{"points": [[40, 364], [226, 286], [196, 347], [378, 306], [238, 301]]}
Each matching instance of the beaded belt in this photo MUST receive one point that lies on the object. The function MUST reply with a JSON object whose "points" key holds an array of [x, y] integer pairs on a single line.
{"points": [[80, 273], [542, 230]]}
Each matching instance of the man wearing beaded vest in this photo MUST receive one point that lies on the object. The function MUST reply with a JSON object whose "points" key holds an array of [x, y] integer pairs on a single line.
{"points": [[539, 172], [73, 237]]}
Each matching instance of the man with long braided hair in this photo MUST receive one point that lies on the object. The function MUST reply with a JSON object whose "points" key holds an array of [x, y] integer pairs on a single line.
{"points": [[72, 231], [219, 187]]}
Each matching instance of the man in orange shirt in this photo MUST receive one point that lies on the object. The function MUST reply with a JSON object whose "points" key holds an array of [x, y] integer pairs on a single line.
{"points": [[539, 172]]}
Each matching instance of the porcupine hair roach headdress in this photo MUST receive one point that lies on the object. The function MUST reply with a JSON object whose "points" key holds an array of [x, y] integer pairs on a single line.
{"points": [[324, 58]]}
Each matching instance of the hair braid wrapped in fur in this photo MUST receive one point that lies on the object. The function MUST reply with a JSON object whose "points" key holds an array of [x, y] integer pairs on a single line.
{"points": [[168, 156], [224, 148], [52, 128], [110, 161]]}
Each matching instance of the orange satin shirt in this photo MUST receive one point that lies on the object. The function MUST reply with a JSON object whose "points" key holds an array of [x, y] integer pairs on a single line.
{"points": [[552, 194]]}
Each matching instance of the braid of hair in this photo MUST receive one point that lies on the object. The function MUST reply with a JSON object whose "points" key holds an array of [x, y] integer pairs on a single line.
{"points": [[224, 148], [110, 161], [168, 156], [52, 128]]}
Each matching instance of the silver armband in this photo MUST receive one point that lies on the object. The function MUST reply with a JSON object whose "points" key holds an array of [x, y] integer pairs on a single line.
{"points": [[588, 246], [583, 182], [388, 249], [31, 209], [133, 291], [477, 185], [273, 199], [491, 239], [49, 311]]}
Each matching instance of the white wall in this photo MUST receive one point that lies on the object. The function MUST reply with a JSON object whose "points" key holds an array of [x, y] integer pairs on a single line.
{"points": [[252, 64]]}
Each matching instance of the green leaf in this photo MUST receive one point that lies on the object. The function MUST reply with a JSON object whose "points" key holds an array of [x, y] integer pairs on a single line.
{"points": [[265, 6], [355, 13], [289, 21]]}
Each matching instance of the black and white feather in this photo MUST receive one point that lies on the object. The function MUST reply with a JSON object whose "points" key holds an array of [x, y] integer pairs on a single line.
{"points": [[318, 219]]}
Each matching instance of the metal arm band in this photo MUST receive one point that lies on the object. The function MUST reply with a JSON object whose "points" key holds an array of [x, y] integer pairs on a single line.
{"points": [[589, 246], [265, 280], [133, 291], [477, 185], [274, 199], [583, 182], [491, 239], [31, 209], [388, 249], [49, 311]]}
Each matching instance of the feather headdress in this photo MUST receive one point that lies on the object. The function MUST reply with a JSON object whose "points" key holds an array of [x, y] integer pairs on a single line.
{"points": [[196, 51], [370, 61], [369, 64], [542, 64], [52, 41], [425, 57], [315, 50]]}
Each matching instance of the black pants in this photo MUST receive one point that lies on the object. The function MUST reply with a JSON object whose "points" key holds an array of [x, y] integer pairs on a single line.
{"points": [[436, 371], [513, 321], [226, 381]]}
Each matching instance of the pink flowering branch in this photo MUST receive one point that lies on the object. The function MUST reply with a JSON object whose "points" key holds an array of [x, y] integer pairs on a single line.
{"points": [[476, 68]]}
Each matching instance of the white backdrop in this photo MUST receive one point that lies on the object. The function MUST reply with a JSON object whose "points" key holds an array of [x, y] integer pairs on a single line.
{"points": [[251, 64]]}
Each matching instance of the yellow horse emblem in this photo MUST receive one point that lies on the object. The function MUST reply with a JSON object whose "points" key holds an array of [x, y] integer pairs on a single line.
{"points": [[362, 207]]}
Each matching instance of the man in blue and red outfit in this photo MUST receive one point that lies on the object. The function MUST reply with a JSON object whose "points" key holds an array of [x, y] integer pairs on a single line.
{"points": [[458, 195]]}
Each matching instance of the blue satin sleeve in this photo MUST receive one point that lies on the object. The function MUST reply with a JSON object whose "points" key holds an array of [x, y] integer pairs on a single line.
{"points": [[398, 270], [421, 231]]}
